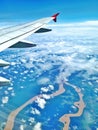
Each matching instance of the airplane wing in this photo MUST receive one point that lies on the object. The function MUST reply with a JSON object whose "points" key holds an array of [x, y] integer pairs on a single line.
{"points": [[11, 37]]}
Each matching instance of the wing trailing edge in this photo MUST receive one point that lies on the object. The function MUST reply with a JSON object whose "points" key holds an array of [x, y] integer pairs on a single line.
{"points": [[23, 44], [4, 63], [4, 81], [43, 30]]}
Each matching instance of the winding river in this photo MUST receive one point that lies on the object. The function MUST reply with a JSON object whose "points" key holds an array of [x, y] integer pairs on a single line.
{"points": [[65, 119]]}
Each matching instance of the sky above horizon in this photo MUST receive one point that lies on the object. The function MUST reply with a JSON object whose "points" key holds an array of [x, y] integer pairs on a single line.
{"points": [[70, 10]]}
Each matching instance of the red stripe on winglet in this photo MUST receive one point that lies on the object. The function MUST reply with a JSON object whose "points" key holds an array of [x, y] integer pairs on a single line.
{"points": [[55, 17]]}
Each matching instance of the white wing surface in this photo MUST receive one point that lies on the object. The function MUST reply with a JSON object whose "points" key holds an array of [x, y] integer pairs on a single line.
{"points": [[12, 35]]}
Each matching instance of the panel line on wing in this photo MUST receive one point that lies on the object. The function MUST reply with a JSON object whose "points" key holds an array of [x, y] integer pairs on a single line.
{"points": [[23, 27], [21, 34], [18, 27]]}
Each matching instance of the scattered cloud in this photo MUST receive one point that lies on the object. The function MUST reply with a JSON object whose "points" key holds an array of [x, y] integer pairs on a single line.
{"points": [[44, 89], [5, 99], [35, 111], [41, 102], [77, 24], [21, 127], [37, 126], [43, 80], [32, 120], [45, 96], [88, 23], [47, 89], [51, 87], [10, 88]]}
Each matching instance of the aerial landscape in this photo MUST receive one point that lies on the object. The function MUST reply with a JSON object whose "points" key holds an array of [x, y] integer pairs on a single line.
{"points": [[52, 85]]}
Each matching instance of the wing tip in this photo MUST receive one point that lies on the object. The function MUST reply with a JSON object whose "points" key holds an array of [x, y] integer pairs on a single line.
{"points": [[55, 17]]}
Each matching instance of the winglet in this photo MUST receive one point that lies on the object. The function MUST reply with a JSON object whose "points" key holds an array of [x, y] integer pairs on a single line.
{"points": [[55, 17]]}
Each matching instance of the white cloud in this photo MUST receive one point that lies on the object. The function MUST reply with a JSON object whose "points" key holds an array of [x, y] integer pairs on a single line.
{"points": [[32, 120], [23, 120], [43, 80], [35, 111], [48, 88], [21, 127], [6, 92], [41, 102], [37, 126], [45, 96], [51, 87], [13, 63], [13, 93], [71, 24], [10, 88], [44, 89], [89, 23], [5, 99], [29, 65], [45, 66]]}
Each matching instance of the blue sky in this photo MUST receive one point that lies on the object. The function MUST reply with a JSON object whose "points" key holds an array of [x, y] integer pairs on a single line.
{"points": [[70, 10]]}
